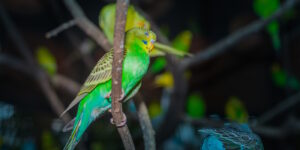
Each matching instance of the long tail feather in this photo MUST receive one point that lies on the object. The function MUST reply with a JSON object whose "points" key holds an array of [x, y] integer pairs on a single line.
{"points": [[171, 50], [72, 142]]}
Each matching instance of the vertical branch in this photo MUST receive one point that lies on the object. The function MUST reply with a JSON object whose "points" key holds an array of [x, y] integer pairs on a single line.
{"points": [[145, 123], [119, 35]]}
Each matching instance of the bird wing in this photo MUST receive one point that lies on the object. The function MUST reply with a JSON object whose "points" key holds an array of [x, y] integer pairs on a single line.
{"points": [[100, 74]]}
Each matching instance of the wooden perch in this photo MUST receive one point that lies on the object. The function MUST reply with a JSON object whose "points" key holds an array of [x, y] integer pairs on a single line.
{"points": [[119, 36], [145, 123]]}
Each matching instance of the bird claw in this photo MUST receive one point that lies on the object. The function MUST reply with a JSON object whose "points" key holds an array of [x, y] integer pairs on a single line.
{"points": [[108, 95], [122, 96], [120, 99], [123, 122]]}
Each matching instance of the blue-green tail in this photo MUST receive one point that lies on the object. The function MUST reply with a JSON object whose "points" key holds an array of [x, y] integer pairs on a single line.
{"points": [[73, 139]]}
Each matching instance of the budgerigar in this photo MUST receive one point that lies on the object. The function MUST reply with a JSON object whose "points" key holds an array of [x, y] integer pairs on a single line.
{"points": [[232, 136], [94, 96], [134, 19]]}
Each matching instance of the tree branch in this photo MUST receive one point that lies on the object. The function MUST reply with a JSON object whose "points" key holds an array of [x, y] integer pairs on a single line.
{"points": [[117, 65], [86, 25], [60, 28], [69, 85], [145, 123], [223, 45], [290, 126], [279, 108]]}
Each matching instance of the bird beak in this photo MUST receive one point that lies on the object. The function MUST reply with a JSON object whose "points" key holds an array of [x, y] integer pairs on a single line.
{"points": [[151, 46]]}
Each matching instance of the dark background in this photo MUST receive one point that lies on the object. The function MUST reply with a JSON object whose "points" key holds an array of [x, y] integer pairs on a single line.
{"points": [[244, 71]]}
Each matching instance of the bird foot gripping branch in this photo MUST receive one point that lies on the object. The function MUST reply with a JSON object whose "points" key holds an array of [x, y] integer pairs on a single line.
{"points": [[124, 120], [120, 99]]}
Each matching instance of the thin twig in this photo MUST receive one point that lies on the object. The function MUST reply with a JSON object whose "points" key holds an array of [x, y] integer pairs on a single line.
{"points": [[279, 108], [86, 25], [145, 123], [76, 43], [117, 65], [42, 78], [223, 45], [60, 29], [16, 64], [13, 32], [69, 85], [266, 131]]}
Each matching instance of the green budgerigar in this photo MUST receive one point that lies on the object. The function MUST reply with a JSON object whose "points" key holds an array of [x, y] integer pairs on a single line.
{"points": [[134, 19], [94, 96]]}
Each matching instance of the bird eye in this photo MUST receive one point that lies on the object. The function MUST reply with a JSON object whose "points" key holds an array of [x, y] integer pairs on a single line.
{"points": [[145, 42]]}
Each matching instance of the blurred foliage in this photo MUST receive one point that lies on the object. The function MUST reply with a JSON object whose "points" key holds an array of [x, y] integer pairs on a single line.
{"points": [[158, 65], [164, 80], [265, 8], [48, 141], [282, 80], [154, 109], [46, 60], [195, 106], [96, 146], [236, 111], [181, 42]]}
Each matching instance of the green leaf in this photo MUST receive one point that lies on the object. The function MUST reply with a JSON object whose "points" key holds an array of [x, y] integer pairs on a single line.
{"points": [[195, 106], [236, 111], [46, 60]]}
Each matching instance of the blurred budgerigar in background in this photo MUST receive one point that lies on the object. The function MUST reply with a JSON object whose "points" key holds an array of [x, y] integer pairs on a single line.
{"points": [[232, 136]]}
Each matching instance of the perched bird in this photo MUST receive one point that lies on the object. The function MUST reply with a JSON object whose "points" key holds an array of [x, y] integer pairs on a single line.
{"points": [[265, 8], [232, 136], [236, 111], [134, 19], [95, 94]]}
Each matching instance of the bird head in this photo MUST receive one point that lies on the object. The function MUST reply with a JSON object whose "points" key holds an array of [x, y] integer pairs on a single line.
{"points": [[142, 37]]}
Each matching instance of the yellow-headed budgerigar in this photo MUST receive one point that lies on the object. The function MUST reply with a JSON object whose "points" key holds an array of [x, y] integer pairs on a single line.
{"points": [[95, 94], [134, 19]]}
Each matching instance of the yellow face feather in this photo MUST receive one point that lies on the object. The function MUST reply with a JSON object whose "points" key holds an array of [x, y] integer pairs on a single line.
{"points": [[144, 38]]}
